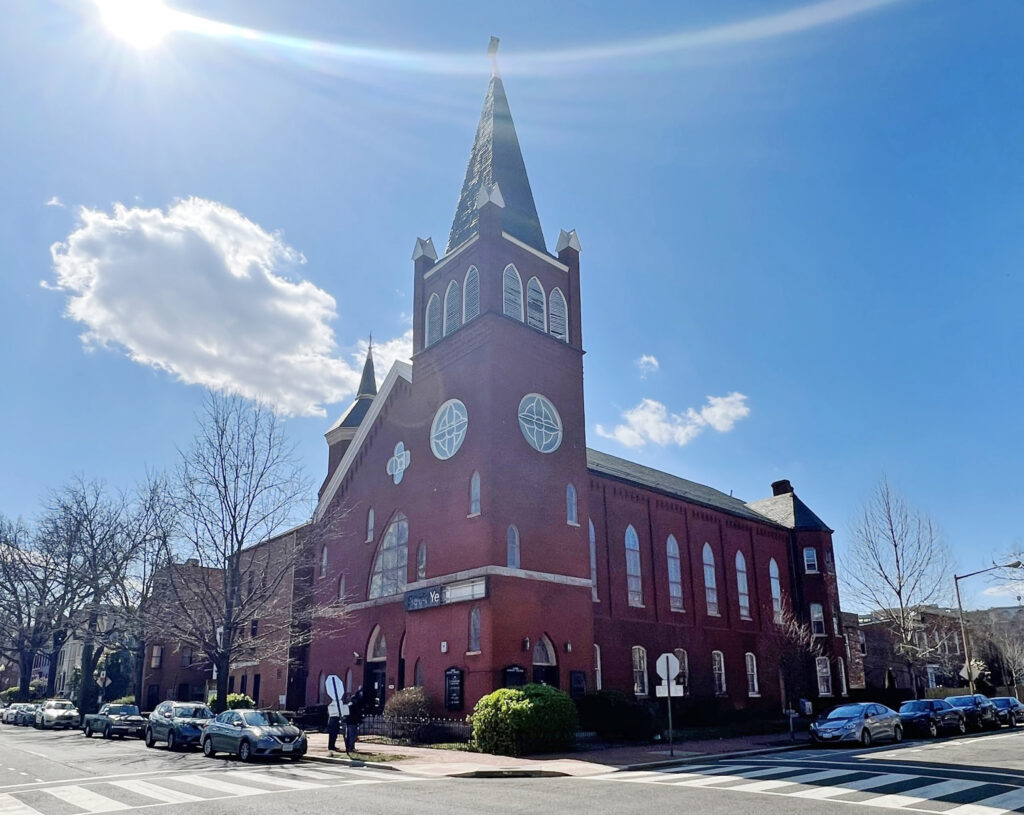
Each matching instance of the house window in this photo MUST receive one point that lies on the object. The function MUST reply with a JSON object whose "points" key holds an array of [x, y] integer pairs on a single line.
{"points": [[186, 657], [742, 587], [243, 685], [718, 672], [810, 560], [417, 675], [474, 629], [824, 676], [536, 305], [639, 670], [570, 505], [634, 578], [558, 321], [683, 677], [830, 564], [369, 525], [776, 586], [597, 666], [471, 295], [157, 657], [452, 308], [675, 575], [710, 583], [421, 561], [835, 621], [593, 561], [254, 628], [862, 641], [752, 686], [474, 494], [512, 293], [341, 588], [323, 561], [841, 671], [817, 620], [512, 547], [390, 567], [433, 320]]}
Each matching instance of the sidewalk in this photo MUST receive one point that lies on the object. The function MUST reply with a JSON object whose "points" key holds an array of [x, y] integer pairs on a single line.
{"points": [[429, 762]]}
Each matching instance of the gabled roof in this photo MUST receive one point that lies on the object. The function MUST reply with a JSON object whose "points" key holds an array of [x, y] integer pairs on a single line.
{"points": [[497, 159], [671, 485], [790, 512]]}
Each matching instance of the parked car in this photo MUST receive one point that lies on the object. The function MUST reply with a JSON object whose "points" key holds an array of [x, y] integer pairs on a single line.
{"points": [[11, 712], [114, 720], [932, 715], [180, 724], [861, 721], [1009, 710], [57, 713], [978, 709], [251, 733], [26, 716]]}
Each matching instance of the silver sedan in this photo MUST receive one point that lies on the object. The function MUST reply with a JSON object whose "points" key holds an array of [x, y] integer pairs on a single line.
{"points": [[863, 722]]}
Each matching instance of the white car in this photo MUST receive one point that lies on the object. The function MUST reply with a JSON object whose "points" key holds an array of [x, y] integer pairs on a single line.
{"points": [[11, 712], [57, 713]]}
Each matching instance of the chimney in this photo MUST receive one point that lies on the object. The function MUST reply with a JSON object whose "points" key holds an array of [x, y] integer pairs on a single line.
{"points": [[781, 487]]}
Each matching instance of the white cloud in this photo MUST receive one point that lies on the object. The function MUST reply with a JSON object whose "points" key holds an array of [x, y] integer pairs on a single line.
{"points": [[1011, 589], [55, 202], [648, 364], [203, 293], [650, 421]]}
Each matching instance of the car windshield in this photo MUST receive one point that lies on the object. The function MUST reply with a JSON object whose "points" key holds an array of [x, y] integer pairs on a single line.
{"points": [[61, 705], [915, 707], [122, 710], [961, 701], [846, 712], [1001, 703], [263, 718], [192, 712]]}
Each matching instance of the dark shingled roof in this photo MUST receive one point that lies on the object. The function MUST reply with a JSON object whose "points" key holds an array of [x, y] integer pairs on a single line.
{"points": [[628, 471], [364, 398], [790, 512], [496, 158]]}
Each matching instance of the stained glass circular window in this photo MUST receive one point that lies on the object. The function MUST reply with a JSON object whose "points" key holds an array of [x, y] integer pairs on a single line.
{"points": [[540, 423], [449, 429]]}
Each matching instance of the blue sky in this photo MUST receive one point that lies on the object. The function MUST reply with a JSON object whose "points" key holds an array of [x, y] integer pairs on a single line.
{"points": [[816, 206]]}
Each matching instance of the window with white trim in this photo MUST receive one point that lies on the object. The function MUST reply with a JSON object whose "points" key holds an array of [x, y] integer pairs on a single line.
{"points": [[817, 620], [390, 567], [369, 525], [323, 561], [810, 560], [593, 561], [157, 657], [710, 581], [536, 305], [512, 547], [512, 293], [634, 576], [824, 676], [558, 319], [718, 672], [742, 586], [571, 516], [452, 308], [474, 494], [752, 687], [675, 574], [471, 295], [432, 322], [474, 629], [841, 672], [421, 561], [639, 654], [341, 588], [776, 587], [597, 666]]}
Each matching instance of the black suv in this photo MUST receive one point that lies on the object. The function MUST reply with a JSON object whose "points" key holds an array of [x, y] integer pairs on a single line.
{"points": [[978, 710]]}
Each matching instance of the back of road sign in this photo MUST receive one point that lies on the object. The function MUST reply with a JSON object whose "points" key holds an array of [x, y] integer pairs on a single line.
{"points": [[335, 687]]}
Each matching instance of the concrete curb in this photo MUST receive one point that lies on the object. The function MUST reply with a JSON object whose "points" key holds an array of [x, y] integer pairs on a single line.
{"points": [[510, 774], [705, 757], [351, 762]]}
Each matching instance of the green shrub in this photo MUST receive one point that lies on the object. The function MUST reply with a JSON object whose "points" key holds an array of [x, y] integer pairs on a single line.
{"points": [[616, 717], [530, 719], [124, 700], [240, 700]]}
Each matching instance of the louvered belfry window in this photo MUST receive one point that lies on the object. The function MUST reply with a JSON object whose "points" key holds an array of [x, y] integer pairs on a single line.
{"points": [[512, 293], [471, 295], [536, 305], [558, 321], [452, 308]]}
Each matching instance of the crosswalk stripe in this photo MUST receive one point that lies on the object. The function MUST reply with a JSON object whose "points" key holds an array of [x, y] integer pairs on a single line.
{"points": [[318, 775], [775, 783], [86, 799], [862, 785], [920, 794], [156, 792], [290, 783], [217, 785], [9, 805], [994, 805]]}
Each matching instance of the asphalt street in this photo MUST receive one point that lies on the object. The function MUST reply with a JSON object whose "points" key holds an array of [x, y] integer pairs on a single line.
{"points": [[46, 773]]}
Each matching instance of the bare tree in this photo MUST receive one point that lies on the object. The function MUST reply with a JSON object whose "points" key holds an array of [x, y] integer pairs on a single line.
{"points": [[792, 646], [1004, 636], [897, 564]]}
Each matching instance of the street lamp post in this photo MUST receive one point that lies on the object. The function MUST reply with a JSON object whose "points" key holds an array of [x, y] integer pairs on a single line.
{"points": [[960, 606]]}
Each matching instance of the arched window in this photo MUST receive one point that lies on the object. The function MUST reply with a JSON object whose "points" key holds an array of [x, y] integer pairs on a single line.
{"points": [[323, 562], [452, 308], [776, 584], [341, 588], [675, 575], [348, 678], [390, 567], [474, 494], [417, 675], [512, 293], [710, 583], [593, 562], [634, 578], [369, 525], [544, 652], [378, 649], [512, 547], [597, 666], [558, 320], [471, 295], [639, 670], [536, 305], [433, 320], [742, 586], [752, 686], [421, 561], [718, 672], [570, 505], [320, 687], [474, 629]]}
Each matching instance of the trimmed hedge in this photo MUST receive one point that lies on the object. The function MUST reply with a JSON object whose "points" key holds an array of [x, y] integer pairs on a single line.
{"points": [[530, 719]]}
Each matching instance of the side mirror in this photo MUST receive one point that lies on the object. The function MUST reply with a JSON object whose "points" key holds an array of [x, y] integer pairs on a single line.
{"points": [[237, 724], [166, 714]]}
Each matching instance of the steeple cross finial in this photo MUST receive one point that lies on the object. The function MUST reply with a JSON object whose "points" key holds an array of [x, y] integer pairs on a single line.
{"points": [[492, 52]]}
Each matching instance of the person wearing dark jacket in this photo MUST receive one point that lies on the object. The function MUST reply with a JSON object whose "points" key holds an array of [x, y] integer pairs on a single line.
{"points": [[353, 720]]}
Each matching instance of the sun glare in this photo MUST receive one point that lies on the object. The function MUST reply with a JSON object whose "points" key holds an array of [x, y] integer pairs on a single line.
{"points": [[141, 23]]}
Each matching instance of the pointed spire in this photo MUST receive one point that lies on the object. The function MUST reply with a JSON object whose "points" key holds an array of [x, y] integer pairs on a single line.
{"points": [[368, 384], [496, 159]]}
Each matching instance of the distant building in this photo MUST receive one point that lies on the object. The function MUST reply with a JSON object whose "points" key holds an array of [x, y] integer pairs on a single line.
{"points": [[932, 659]]}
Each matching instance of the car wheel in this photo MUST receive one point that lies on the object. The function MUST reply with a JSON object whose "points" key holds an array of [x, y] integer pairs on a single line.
{"points": [[172, 743], [148, 738], [1013, 720], [107, 732], [208, 750], [865, 737], [961, 726], [88, 731], [245, 751], [933, 730], [897, 734]]}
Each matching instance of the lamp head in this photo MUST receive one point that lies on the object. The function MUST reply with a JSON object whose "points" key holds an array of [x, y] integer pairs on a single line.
{"points": [[1015, 565]]}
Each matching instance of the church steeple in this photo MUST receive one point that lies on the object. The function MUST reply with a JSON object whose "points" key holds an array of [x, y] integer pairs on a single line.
{"points": [[496, 159], [368, 383]]}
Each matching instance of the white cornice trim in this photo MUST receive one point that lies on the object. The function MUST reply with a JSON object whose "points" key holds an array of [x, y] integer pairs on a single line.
{"points": [[336, 434], [452, 255], [542, 255], [398, 370]]}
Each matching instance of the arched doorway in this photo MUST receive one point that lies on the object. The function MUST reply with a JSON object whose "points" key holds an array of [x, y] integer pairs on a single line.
{"points": [[375, 676], [545, 667]]}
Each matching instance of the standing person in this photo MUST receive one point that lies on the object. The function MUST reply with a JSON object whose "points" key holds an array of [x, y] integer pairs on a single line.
{"points": [[353, 720], [333, 724]]}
